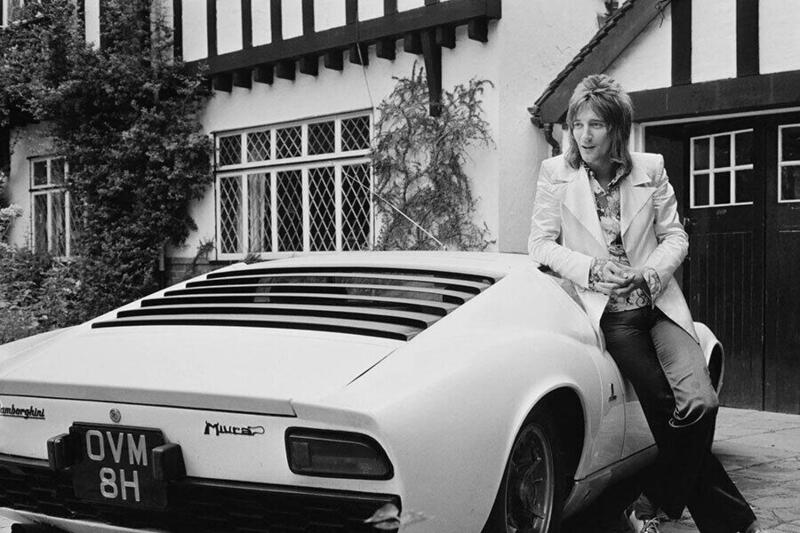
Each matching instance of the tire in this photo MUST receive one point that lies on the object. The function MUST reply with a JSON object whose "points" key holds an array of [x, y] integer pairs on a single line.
{"points": [[533, 488]]}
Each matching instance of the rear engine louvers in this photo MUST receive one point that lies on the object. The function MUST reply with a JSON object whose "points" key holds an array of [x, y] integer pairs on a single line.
{"points": [[391, 302]]}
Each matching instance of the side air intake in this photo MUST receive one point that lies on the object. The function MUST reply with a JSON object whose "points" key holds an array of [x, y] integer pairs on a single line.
{"points": [[390, 302]]}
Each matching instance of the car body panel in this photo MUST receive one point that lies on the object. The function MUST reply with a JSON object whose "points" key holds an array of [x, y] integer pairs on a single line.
{"points": [[445, 405]]}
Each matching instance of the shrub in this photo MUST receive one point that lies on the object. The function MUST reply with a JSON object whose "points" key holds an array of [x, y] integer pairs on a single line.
{"points": [[424, 195], [125, 116]]}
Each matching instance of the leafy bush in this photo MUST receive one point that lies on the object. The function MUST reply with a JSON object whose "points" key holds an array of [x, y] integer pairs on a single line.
{"points": [[125, 116], [418, 166]]}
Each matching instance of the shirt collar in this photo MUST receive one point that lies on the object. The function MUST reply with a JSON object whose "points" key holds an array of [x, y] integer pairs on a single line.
{"points": [[617, 177]]}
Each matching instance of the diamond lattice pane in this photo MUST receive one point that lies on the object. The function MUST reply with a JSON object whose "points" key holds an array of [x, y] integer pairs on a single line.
{"points": [[230, 150], [59, 221], [230, 214], [322, 209], [258, 146], [355, 133], [57, 171], [40, 223], [290, 211], [259, 213], [321, 138], [355, 207], [289, 142], [39, 173]]}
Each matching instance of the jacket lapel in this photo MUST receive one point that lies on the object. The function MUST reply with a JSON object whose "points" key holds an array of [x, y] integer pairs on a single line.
{"points": [[579, 200], [634, 191]]}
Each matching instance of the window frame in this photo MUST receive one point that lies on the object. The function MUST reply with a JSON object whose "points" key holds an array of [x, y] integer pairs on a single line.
{"points": [[732, 168], [338, 159], [782, 164], [49, 189]]}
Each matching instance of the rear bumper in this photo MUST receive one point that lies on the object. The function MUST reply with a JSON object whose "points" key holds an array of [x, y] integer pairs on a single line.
{"points": [[30, 490]]}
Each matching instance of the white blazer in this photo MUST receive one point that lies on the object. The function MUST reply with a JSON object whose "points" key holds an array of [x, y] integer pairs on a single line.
{"points": [[566, 234]]}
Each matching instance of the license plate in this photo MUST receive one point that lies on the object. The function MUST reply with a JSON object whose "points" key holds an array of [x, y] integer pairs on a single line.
{"points": [[113, 465]]}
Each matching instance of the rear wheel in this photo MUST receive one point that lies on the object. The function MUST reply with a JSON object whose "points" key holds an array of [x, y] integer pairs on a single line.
{"points": [[531, 494]]}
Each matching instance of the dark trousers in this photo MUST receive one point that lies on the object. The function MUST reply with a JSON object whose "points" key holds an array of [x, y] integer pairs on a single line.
{"points": [[667, 370]]}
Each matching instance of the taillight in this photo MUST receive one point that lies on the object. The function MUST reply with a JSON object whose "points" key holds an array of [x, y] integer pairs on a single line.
{"points": [[314, 452]]}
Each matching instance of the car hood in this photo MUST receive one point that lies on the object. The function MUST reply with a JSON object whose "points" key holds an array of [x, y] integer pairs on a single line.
{"points": [[236, 369]]}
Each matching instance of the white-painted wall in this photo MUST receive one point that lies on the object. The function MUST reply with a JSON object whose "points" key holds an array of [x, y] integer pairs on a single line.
{"points": [[713, 40], [292, 13], [405, 5], [525, 51], [779, 33], [647, 62], [92, 21], [369, 10], [195, 37], [229, 26], [262, 22], [331, 13], [532, 43]]}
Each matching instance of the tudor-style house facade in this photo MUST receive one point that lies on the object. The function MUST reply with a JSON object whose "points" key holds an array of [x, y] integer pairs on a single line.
{"points": [[715, 90], [296, 88]]}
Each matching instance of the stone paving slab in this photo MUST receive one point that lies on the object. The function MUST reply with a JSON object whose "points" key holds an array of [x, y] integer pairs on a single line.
{"points": [[761, 452]]}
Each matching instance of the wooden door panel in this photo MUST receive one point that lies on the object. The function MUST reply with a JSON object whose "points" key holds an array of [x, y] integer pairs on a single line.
{"points": [[723, 274], [783, 330], [725, 293]]}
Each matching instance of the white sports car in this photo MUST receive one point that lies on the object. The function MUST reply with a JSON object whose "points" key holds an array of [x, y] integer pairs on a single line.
{"points": [[417, 391]]}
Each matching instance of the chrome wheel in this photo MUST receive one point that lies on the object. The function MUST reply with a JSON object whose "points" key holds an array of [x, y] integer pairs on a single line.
{"points": [[530, 482]]}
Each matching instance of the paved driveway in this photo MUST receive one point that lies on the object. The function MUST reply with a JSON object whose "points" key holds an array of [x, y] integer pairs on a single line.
{"points": [[761, 451]]}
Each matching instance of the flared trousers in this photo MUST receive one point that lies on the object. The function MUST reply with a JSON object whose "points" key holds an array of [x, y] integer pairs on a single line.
{"points": [[668, 372]]}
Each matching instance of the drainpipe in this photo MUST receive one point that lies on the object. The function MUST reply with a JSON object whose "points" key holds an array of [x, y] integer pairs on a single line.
{"points": [[536, 120]]}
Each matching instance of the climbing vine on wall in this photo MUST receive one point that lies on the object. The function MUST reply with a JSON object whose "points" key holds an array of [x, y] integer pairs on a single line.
{"points": [[125, 116]]}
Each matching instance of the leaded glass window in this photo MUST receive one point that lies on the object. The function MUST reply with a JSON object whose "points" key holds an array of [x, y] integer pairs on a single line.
{"points": [[299, 187], [53, 223]]}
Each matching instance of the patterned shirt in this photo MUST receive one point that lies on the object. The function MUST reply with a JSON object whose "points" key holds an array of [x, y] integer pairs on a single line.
{"points": [[608, 211]]}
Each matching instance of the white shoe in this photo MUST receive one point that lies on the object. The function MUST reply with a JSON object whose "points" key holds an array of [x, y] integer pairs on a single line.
{"points": [[647, 525]]}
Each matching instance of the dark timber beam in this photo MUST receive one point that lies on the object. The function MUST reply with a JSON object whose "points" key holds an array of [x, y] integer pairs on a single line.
{"points": [[393, 25], [351, 11], [247, 24], [263, 74], [211, 27], [478, 30], [747, 38], [719, 96], [177, 31], [285, 70], [359, 54], [243, 78], [446, 36], [308, 16], [309, 65], [412, 43], [222, 82], [389, 7], [432, 52], [386, 49], [334, 60], [681, 42], [276, 20]]}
